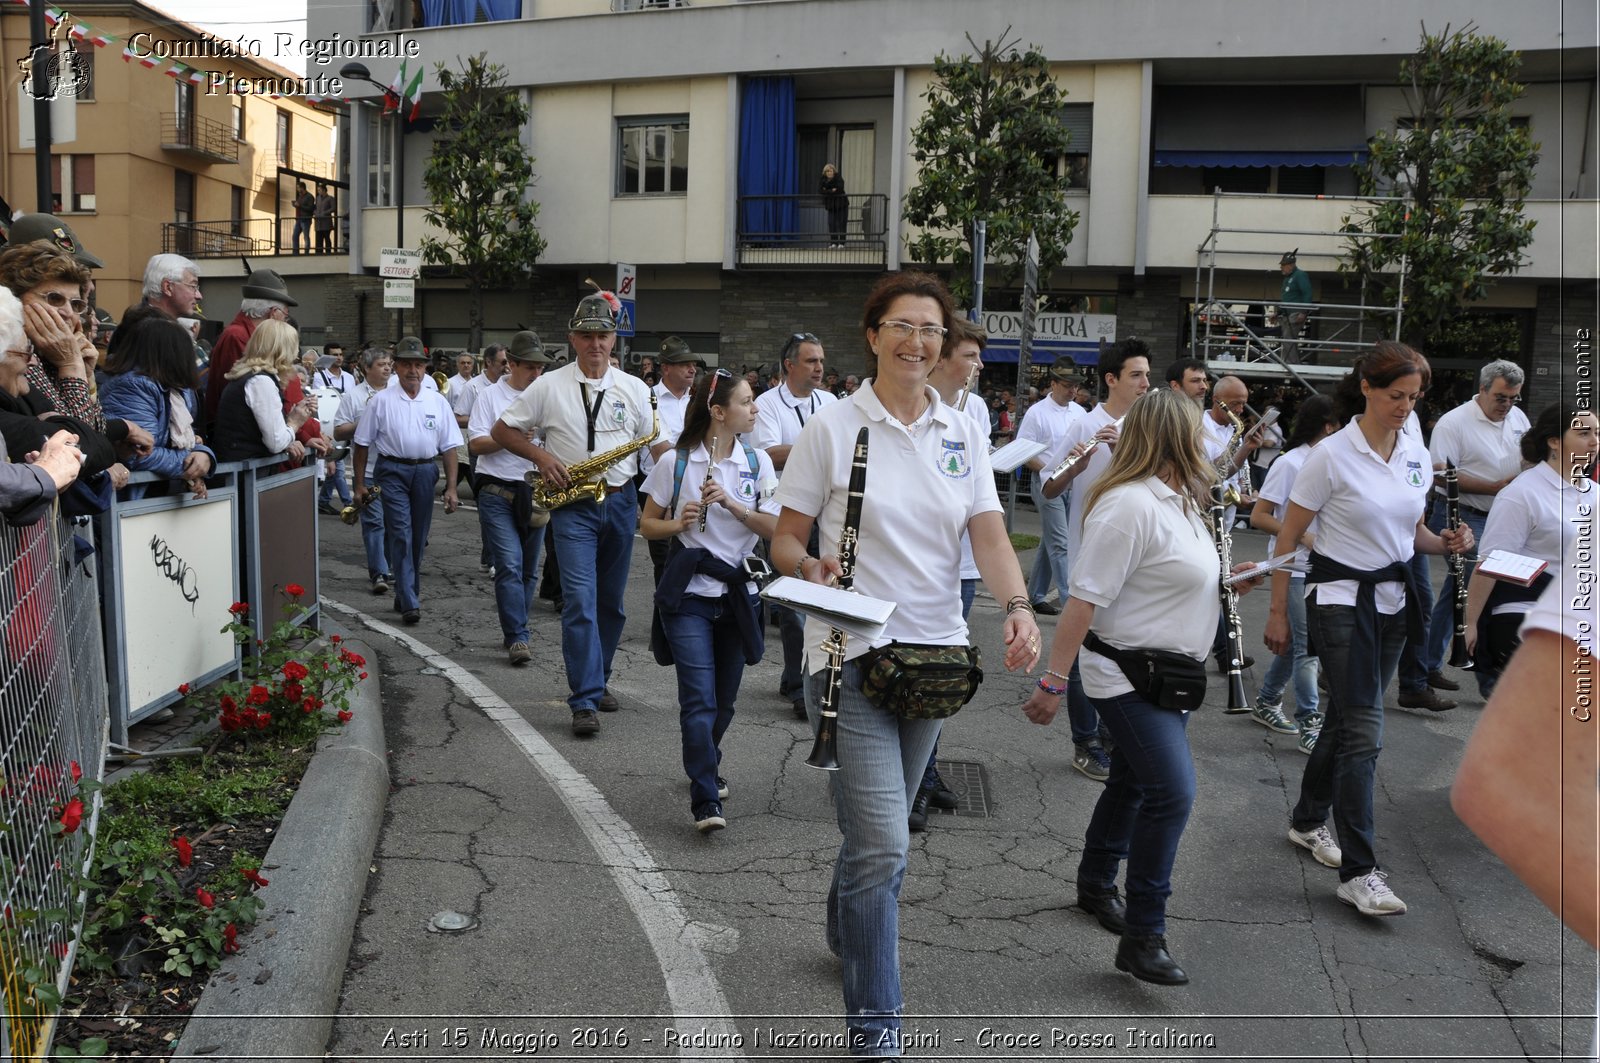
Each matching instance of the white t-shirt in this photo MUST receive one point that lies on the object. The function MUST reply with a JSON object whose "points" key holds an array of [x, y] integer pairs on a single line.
{"points": [[1540, 515], [1367, 508], [1276, 489], [1478, 447], [462, 394], [486, 410], [1148, 564], [921, 491], [725, 536], [780, 416], [397, 425], [562, 401], [1046, 422], [671, 409], [980, 417]]}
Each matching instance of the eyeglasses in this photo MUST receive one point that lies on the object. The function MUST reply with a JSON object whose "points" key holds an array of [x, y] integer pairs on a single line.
{"points": [[58, 300], [193, 286], [1505, 400], [803, 337], [903, 330]]}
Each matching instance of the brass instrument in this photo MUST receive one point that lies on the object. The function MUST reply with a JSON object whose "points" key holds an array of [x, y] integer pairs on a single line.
{"points": [[1225, 470], [579, 482], [352, 513], [443, 381], [1237, 701], [1072, 459], [1457, 566], [711, 463], [825, 751]]}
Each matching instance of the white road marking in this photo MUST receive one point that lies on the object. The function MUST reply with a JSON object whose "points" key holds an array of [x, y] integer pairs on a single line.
{"points": [[692, 986]]}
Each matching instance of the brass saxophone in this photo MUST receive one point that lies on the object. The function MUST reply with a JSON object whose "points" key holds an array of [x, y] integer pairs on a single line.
{"points": [[586, 479], [1225, 469]]}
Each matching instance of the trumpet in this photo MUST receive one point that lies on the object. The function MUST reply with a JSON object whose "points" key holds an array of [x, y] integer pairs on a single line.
{"points": [[711, 463], [825, 751], [1072, 459], [352, 513]]}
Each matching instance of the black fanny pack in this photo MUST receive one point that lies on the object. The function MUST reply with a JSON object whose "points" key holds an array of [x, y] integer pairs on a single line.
{"points": [[921, 682], [1163, 678]]}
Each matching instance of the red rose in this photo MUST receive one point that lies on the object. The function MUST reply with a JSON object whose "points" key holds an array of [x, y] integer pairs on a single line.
{"points": [[335, 639], [229, 722], [263, 721], [259, 695], [295, 670], [72, 816], [345, 715], [230, 938], [77, 772], [253, 876], [363, 675], [239, 608], [183, 688], [293, 691], [206, 900], [228, 704], [185, 851], [294, 590]]}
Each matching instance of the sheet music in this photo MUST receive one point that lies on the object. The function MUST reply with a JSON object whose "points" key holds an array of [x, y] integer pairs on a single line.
{"points": [[1263, 568], [1010, 457], [1514, 568], [855, 614]]}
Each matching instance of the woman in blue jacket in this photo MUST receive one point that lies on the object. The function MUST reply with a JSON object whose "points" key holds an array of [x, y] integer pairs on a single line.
{"points": [[154, 385]]}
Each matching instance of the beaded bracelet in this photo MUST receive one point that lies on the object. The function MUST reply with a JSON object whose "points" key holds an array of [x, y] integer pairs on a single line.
{"points": [[1058, 675], [1048, 689]]}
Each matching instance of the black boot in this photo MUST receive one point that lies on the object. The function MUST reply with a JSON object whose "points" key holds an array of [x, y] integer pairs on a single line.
{"points": [[1106, 906], [917, 820], [1146, 958]]}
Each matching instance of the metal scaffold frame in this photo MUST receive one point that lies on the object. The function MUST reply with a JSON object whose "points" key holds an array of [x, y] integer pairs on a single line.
{"points": [[1228, 341]]}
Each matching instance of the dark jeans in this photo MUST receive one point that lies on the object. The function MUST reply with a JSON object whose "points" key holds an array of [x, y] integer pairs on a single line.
{"points": [[407, 502], [1142, 810], [1344, 765], [709, 655]]}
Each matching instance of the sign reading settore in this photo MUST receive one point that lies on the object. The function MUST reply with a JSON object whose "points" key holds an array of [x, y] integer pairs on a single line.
{"points": [[399, 262]]}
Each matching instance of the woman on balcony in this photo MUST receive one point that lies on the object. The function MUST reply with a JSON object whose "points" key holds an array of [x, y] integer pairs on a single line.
{"points": [[836, 203]]}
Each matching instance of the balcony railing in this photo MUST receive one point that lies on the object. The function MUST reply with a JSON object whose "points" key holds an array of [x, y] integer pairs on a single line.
{"points": [[789, 232], [248, 236], [198, 136]]}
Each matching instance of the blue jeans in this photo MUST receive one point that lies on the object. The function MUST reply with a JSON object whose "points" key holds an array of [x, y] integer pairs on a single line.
{"points": [[1050, 563], [930, 775], [1142, 810], [1298, 661], [302, 231], [335, 482], [1414, 655], [516, 564], [372, 533], [594, 545], [407, 516], [1442, 624], [881, 761], [1344, 764], [709, 654]]}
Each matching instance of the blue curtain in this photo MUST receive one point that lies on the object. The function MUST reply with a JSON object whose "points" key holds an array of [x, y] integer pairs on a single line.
{"points": [[435, 12], [500, 10], [767, 156]]}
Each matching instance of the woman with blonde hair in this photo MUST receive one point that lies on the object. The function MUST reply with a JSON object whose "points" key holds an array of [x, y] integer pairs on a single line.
{"points": [[1145, 576], [250, 417]]}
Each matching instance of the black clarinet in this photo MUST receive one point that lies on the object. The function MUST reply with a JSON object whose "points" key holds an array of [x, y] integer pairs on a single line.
{"points": [[1457, 566], [1237, 702], [825, 751]]}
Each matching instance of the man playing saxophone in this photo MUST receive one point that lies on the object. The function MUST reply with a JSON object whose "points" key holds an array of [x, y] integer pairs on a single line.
{"points": [[1226, 445], [587, 409]]}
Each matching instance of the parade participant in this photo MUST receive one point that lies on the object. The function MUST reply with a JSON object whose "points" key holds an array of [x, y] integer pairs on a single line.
{"points": [[407, 427], [587, 408], [265, 296], [1229, 397], [679, 365], [376, 365], [781, 413], [709, 610], [1144, 577], [1189, 376], [251, 419], [1547, 513], [1315, 422], [466, 369], [512, 530], [1047, 422], [1482, 438], [1366, 486], [928, 479], [1125, 371]]}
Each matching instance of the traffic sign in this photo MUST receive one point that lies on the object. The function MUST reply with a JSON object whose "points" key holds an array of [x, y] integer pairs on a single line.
{"points": [[625, 319], [627, 292]]}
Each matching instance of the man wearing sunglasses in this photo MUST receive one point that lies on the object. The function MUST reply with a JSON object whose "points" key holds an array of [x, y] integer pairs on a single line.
{"points": [[781, 413]]}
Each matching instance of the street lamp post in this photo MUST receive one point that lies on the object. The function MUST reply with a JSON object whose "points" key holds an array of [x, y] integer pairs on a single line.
{"points": [[359, 72]]}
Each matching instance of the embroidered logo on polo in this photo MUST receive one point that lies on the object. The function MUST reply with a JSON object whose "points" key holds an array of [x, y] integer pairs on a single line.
{"points": [[430, 422], [747, 485], [953, 459], [1414, 473], [619, 412]]}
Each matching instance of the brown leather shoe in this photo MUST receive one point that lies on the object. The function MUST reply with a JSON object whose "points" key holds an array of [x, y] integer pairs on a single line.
{"points": [[1438, 681], [1425, 699]]}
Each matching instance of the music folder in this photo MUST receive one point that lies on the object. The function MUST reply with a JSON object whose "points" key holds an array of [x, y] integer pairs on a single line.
{"points": [[1513, 568], [1010, 457], [855, 614]]}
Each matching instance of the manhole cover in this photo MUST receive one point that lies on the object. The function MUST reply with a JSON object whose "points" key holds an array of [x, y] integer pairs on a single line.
{"points": [[971, 786]]}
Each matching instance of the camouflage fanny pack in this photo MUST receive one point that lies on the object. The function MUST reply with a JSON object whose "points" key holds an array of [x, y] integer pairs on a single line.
{"points": [[921, 682]]}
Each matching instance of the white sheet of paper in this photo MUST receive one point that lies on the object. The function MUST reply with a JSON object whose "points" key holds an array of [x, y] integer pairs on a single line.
{"points": [[1514, 568], [1010, 457], [855, 614], [1262, 568]]}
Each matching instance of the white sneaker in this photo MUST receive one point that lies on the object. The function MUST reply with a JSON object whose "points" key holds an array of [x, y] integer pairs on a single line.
{"points": [[1321, 844], [1272, 718], [1371, 895]]}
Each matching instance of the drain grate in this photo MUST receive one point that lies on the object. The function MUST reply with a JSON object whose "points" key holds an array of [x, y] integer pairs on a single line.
{"points": [[971, 784]]}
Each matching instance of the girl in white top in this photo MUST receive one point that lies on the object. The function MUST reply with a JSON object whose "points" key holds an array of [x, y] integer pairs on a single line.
{"points": [[1543, 513], [1366, 486], [1145, 577], [707, 609]]}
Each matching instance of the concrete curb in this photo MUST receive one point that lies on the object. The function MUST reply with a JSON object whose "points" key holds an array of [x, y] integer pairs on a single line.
{"points": [[277, 997]]}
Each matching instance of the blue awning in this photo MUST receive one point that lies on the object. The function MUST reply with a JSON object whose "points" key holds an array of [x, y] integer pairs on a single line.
{"points": [[1347, 157], [1004, 351]]}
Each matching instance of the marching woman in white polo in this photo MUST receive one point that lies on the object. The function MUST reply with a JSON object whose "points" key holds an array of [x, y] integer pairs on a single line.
{"points": [[928, 479], [709, 609], [1366, 486]]}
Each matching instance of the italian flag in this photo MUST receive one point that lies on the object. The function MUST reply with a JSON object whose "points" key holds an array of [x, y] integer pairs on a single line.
{"points": [[196, 77], [149, 61], [414, 94], [128, 53], [101, 39], [394, 94], [176, 71]]}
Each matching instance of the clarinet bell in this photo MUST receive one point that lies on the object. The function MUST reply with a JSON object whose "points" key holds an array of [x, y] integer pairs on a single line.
{"points": [[825, 750]]}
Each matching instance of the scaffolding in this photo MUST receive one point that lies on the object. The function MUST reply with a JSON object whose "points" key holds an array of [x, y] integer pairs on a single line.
{"points": [[1242, 342]]}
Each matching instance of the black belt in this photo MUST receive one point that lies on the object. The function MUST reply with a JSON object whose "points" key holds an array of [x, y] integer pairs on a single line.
{"points": [[406, 461], [1474, 509]]}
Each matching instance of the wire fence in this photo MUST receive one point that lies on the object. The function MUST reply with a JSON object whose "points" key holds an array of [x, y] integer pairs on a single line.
{"points": [[52, 734]]}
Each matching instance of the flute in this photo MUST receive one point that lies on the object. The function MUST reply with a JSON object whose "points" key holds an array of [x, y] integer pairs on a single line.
{"points": [[711, 463], [825, 751], [1073, 459]]}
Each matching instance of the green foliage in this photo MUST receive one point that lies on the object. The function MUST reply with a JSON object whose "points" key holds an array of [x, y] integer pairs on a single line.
{"points": [[478, 181], [1463, 170], [988, 145]]}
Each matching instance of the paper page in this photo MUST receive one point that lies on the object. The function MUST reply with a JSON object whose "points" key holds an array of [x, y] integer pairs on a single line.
{"points": [[1261, 569], [1011, 456], [856, 614], [1514, 568]]}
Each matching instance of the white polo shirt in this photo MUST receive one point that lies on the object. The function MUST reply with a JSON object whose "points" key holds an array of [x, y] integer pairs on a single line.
{"points": [[491, 403], [1367, 508], [352, 402], [780, 416], [1149, 567], [460, 397], [562, 401], [399, 426], [980, 417], [1096, 464], [470, 391], [725, 536], [1478, 447], [1214, 440], [672, 409], [1046, 422], [921, 491], [1540, 515], [428, 383], [1276, 489]]}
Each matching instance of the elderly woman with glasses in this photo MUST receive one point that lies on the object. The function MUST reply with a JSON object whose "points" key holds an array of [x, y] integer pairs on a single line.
{"points": [[45, 457], [927, 481]]}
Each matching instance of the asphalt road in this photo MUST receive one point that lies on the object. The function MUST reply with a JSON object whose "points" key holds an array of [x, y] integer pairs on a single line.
{"points": [[603, 926]]}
